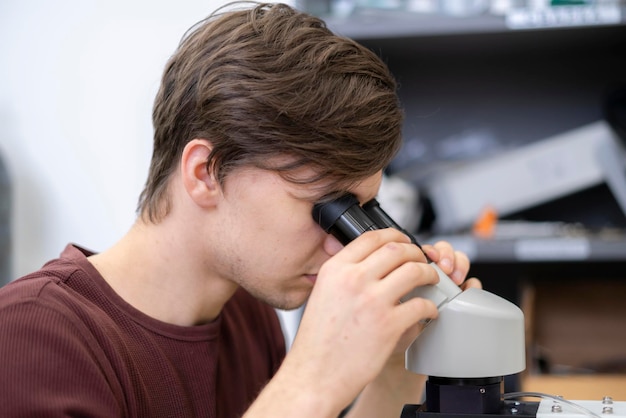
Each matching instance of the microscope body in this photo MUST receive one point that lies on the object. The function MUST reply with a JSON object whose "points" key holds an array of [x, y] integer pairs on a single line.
{"points": [[476, 340]]}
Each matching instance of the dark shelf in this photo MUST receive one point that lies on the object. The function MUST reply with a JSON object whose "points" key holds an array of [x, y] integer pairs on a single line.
{"points": [[369, 24]]}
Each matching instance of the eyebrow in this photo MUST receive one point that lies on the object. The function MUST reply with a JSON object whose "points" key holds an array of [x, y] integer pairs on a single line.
{"points": [[312, 195], [326, 192]]}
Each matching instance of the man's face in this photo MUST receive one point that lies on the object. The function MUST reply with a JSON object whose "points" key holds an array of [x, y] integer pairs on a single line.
{"points": [[268, 241]]}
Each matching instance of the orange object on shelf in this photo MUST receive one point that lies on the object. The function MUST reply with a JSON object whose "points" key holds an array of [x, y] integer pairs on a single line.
{"points": [[485, 225]]}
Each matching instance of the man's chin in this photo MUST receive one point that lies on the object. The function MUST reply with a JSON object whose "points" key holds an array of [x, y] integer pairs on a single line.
{"points": [[292, 301], [286, 298], [290, 305]]}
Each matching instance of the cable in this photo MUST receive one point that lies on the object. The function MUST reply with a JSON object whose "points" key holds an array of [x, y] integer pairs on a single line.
{"points": [[547, 396]]}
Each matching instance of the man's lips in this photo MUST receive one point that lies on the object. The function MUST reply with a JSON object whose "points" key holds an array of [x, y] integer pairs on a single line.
{"points": [[311, 277]]}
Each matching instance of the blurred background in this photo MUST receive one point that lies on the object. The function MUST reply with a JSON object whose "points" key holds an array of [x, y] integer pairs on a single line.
{"points": [[513, 144]]}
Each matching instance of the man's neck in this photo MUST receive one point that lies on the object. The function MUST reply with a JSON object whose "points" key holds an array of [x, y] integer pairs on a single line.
{"points": [[164, 278]]}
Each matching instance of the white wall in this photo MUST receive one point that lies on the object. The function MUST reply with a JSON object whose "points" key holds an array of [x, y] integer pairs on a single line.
{"points": [[77, 80]]}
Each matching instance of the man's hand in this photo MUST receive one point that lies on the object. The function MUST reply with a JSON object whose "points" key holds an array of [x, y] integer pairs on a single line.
{"points": [[353, 320], [394, 386], [354, 330]]}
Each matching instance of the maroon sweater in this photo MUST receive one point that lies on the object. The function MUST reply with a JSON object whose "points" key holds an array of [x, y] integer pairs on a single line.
{"points": [[70, 346]]}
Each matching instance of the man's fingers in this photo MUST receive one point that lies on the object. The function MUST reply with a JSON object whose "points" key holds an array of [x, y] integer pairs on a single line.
{"points": [[415, 310], [472, 282], [370, 241], [379, 253], [407, 277]]}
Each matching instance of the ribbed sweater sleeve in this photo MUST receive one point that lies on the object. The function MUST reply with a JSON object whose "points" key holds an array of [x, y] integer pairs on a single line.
{"points": [[55, 350]]}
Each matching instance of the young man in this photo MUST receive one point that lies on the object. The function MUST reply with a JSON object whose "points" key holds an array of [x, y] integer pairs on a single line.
{"points": [[261, 113]]}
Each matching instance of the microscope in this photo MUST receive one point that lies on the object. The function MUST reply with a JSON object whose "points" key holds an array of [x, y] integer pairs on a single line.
{"points": [[476, 340]]}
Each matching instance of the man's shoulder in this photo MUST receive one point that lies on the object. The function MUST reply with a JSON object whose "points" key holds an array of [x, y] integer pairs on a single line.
{"points": [[46, 284], [50, 346], [33, 286]]}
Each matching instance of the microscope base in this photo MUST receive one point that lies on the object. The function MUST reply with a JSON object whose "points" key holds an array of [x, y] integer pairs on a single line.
{"points": [[508, 409]]}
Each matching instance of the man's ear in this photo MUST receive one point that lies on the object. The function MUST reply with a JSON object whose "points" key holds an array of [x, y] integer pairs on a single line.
{"points": [[200, 183]]}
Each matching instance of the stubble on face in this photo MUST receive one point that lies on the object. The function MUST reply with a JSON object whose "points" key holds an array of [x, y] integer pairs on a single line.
{"points": [[266, 240], [285, 293]]}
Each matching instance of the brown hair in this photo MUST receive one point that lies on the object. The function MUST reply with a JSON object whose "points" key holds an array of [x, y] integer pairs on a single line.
{"points": [[271, 82]]}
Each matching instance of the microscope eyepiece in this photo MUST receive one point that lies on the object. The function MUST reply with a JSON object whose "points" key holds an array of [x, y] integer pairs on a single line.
{"points": [[343, 218]]}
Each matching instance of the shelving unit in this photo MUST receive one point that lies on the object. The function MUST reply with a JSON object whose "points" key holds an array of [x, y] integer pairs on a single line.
{"points": [[364, 23], [469, 94], [471, 87]]}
